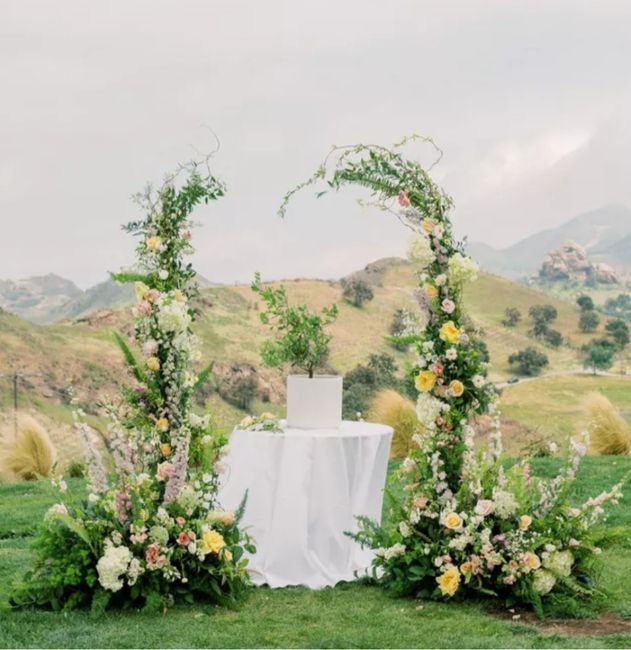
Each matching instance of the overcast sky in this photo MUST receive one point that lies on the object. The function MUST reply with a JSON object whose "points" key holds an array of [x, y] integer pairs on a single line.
{"points": [[529, 100]]}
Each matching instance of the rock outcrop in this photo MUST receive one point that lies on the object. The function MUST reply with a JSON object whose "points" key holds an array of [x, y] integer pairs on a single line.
{"points": [[571, 262]]}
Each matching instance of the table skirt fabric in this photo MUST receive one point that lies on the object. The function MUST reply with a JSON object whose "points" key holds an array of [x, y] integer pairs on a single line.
{"points": [[305, 488]]}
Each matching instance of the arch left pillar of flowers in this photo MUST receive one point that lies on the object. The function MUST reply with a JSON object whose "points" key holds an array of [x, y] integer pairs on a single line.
{"points": [[150, 530]]}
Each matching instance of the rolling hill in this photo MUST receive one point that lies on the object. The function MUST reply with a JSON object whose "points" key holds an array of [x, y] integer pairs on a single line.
{"points": [[81, 354]]}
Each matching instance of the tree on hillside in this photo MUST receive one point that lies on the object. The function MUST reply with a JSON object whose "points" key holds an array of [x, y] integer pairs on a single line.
{"points": [[619, 306], [363, 381], [542, 316], [599, 354], [399, 327], [528, 361], [512, 316], [588, 321], [357, 291], [585, 303], [619, 332], [553, 338]]}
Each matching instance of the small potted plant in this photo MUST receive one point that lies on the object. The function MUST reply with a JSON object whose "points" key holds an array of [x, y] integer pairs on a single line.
{"points": [[313, 401]]}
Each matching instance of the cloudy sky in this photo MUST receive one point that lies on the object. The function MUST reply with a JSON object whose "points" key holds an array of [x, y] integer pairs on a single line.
{"points": [[529, 100]]}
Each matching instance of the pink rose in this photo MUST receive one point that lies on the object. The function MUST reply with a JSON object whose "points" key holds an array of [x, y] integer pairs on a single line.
{"points": [[448, 306], [484, 507], [153, 295], [150, 347], [144, 308], [183, 539], [164, 471], [151, 553], [180, 521], [404, 200], [228, 518]]}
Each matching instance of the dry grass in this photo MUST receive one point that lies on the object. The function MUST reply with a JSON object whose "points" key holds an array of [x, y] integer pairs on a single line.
{"points": [[28, 453], [610, 433], [391, 408]]}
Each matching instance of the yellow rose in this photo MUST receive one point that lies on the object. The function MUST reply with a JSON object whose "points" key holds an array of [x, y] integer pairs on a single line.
{"points": [[162, 424], [425, 381], [154, 243], [524, 522], [178, 295], [428, 225], [457, 388], [165, 449], [141, 291], [153, 363], [212, 542], [449, 332], [531, 560], [431, 291], [453, 521], [449, 581], [466, 567], [227, 555]]}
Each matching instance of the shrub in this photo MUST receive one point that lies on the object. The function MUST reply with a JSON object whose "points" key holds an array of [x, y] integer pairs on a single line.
{"points": [[542, 316], [585, 303], [391, 408], [357, 292], [599, 354], [399, 327], [619, 332], [610, 434], [553, 338], [512, 316], [76, 469], [28, 453], [588, 321], [529, 361]]}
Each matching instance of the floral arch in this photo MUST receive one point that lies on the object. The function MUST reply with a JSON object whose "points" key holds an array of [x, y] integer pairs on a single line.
{"points": [[465, 524]]}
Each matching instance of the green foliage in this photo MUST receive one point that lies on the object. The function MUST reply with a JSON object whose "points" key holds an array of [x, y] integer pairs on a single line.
{"points": [[356, 292], [528, 361], [303, 342], [619, 306], [588, 321], [130, 359], [599, 354], [512, 316], [619, 332], [542, 316], [362, 382], [553, 338], [399, 328], [585, 303]]}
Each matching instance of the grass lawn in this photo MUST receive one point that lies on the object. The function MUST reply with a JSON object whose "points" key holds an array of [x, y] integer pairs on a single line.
{"points": [[350, 615]]}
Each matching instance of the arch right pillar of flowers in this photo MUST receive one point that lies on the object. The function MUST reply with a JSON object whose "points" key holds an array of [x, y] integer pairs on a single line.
{"points": [[463, 524]]}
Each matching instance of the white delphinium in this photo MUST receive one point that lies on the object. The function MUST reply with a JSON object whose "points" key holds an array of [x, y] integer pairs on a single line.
{"points": [[112, 565], [394, 551]]}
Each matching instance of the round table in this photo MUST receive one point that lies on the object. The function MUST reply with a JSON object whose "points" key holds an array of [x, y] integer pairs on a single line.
{"points": [[305, 488]]}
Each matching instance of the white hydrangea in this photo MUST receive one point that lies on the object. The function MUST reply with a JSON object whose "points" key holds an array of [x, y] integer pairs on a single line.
{"points": [[112, 565], [560, 562], [173, 316], [420, 251], [543, 581], [462, 269], [428, 408], [504, 503]]}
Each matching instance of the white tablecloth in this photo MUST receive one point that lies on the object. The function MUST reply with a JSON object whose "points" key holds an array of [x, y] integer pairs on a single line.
{"points": [[305, 488]]}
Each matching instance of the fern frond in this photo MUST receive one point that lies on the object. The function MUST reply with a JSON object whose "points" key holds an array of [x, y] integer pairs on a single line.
{"points": [[130, 359]]}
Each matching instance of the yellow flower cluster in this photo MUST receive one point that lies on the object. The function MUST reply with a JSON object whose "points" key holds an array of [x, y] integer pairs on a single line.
{"points": [[449, 581], [425, 381], [449, 332]]}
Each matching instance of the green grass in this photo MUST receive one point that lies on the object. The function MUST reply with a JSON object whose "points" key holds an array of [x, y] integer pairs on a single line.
{"points": [[350, 615]]}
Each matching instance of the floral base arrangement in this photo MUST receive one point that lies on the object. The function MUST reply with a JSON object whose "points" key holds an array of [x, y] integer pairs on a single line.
{"points": [[466, 525], [150, 532]]}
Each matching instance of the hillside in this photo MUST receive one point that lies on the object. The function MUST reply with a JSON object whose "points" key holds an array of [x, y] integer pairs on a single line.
{"points": [[81, 352], [601, 232]]}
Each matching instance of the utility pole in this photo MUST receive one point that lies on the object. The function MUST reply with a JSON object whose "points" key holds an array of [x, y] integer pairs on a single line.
{"points": [[16, 376]]}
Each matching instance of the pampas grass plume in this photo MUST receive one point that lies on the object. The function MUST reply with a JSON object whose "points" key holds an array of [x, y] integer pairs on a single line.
{"points": [[609, 432], [27, 454], [391, 408]]}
